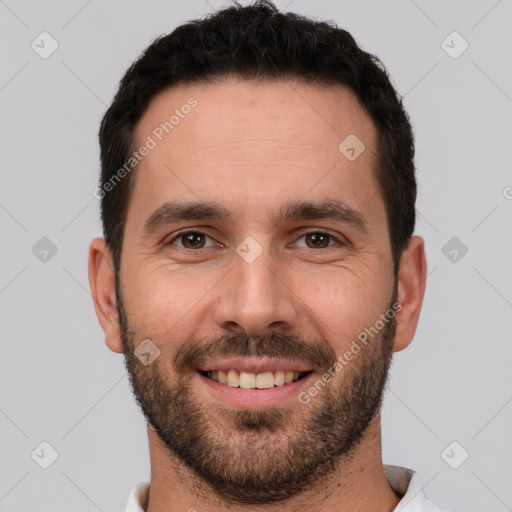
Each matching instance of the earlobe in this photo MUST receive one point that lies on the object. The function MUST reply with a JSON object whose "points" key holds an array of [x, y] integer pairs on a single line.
{"points": [[411, 290], [102, 283]]}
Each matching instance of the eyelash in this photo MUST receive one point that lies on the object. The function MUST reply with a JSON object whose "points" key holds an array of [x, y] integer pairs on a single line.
{"points": [[195, 231]]}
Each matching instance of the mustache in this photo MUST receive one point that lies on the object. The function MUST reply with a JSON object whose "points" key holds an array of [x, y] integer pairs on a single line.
{"points": [[195, 352]]}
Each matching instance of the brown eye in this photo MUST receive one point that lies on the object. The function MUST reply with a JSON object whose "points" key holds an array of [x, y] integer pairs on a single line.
{"points": [[190, 240], [193, 240], [319, 240]]}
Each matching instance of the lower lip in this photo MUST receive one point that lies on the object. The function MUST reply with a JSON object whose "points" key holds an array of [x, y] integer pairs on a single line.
{"points": [[255, 398]]}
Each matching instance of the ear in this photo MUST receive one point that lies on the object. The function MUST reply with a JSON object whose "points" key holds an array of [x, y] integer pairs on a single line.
{"points": [[411, 290], [101, 281]]}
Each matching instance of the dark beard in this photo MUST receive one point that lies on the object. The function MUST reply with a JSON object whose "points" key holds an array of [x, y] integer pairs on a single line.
{"points": [[255, 461]]}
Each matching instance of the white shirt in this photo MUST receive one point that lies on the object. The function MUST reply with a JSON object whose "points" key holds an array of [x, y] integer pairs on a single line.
{"points": [[403, 481]]}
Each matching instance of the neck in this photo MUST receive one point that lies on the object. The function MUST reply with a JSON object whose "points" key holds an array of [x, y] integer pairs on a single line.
{"points": [[359, 485]]}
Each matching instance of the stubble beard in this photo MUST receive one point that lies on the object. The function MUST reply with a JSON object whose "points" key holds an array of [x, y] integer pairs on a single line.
{"points": [[255, 457]]}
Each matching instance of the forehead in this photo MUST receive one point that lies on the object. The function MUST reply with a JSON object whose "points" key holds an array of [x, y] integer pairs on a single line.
{"points": [[232, 110], [250, 143]]}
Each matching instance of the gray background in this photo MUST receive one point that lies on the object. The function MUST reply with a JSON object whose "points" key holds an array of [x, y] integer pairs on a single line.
{"points": [[60, 384]]}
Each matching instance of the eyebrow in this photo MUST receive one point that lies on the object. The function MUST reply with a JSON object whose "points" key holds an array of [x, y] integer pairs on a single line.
{"points": [[337, 210]]}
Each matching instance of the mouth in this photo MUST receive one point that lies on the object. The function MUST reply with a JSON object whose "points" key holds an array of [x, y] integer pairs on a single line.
{"points": [[249, 380], [254, 382]]}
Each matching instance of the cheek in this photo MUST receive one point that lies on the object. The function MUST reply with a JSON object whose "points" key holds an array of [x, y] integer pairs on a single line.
{"points": [[156, 286], [164, 305], [343, 304]]}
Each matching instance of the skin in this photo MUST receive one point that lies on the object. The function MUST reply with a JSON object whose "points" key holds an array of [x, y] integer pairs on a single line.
{"points": [[252, 146]]}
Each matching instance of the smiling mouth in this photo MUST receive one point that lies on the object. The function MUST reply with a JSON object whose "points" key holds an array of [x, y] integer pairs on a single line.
{"points": [[248, 380]]}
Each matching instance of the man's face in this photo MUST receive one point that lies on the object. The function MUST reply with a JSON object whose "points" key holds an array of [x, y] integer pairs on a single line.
{"points": [[267, 288]]}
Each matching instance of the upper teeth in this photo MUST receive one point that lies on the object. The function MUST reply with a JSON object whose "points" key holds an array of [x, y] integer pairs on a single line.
{"points": [[248, 380]]}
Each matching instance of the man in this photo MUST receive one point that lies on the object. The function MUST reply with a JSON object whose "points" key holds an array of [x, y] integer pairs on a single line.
{"points": [[259, 269]]}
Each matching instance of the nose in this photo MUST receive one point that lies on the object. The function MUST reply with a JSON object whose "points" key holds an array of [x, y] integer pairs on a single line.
{"points": [[255, 298]]}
